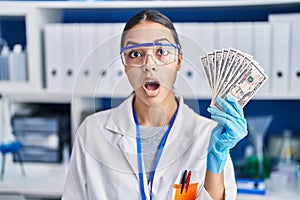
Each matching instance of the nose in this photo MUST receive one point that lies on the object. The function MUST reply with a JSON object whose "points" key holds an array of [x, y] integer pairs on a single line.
{"points": [[148, 68], [149, 61]]}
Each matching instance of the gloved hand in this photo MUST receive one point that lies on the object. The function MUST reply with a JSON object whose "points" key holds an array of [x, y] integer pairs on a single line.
{"points": [[231, 128]]}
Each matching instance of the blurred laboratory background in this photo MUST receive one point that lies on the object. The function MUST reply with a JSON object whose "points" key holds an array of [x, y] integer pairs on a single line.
{"points": [[51, 78]]}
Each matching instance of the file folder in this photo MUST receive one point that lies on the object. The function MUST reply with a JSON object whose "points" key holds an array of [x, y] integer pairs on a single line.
{"points": [[286, 17], [204, 34], [69, 42], [262, 51], [77, 52], [196, 39], [244, 37], [295, 59], [207, 33], [190, 82], [280, 59], [103, 50], [89, 59], [53, 57], [225, 35], [116, 69]]}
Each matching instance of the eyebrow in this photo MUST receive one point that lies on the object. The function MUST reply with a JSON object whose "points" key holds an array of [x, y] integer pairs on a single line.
{"points": [[158, 40]]}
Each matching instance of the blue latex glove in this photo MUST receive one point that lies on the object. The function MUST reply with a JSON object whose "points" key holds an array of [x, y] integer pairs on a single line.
{"points": [[231, 128]]}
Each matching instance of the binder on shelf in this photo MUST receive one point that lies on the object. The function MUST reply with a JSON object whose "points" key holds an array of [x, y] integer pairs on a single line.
{"points": [[295, 58], [89, 61], [203, 34], [280, 59], [286, 17], [199, 37], [262, 50], [179, 27], [116, 67], [77, 61], [54, 57], [225, 35], [189, 30], [190, 83], [104, 44], [244, 37], [207, 36], [69, 42]]}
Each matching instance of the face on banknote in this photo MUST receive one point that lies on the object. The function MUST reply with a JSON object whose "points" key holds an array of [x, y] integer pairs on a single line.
{"points": [[231, 71]]}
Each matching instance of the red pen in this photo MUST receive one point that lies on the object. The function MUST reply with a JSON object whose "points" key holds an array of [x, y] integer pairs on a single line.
{"points": [[187, 182]]}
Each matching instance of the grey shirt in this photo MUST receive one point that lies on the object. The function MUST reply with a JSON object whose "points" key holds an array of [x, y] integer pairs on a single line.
{"points": [[150, 140]]}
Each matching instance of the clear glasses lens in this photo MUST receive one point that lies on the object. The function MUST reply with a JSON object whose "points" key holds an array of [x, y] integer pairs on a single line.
{"points": [[162, 54]]}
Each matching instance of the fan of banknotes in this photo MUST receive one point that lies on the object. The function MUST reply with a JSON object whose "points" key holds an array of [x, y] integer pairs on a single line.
{"points": [[231, 71]]}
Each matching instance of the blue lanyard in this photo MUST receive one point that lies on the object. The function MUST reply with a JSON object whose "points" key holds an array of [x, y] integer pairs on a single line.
{"points": [[139, 151]]}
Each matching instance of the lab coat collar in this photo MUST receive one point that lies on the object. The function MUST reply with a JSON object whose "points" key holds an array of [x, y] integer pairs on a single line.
{"points": [[121, 119], [121, 122]]}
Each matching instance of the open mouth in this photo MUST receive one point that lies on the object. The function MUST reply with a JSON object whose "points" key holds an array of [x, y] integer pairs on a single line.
{"points": [[151, 87]]}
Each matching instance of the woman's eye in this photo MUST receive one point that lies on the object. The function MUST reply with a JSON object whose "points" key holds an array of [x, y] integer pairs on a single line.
{"points": [[135, 54], [163, 52]]}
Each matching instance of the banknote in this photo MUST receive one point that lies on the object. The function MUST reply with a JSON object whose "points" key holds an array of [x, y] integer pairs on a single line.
{"points": [[243, 88], [234, 72]]}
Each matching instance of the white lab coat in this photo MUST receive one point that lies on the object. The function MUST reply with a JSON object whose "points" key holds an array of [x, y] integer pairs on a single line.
{"points": [[104, 166]]}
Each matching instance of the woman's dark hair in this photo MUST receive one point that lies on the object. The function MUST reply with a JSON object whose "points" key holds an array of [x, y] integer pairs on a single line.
{"points": [[149, 15]]}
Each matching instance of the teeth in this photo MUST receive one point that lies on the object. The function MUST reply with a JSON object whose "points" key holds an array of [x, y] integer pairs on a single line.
{"points": [[149, 81]]}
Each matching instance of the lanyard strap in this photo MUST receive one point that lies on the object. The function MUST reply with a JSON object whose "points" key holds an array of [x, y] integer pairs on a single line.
{"points": [[159, 153]]}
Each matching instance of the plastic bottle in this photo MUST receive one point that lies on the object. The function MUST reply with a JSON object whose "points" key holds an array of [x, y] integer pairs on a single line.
{"points": [[17, 64], [287, 167], [4, 65]]}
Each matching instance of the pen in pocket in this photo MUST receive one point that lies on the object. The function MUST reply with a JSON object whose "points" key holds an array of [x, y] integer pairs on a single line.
{"points": [[183, 179], [187, 182]]}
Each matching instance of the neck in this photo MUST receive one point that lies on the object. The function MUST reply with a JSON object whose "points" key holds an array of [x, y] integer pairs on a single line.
{"points": [[155, 114]]}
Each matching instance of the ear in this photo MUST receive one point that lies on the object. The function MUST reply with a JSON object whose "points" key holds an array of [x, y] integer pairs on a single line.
{"points": [[179, 61]]}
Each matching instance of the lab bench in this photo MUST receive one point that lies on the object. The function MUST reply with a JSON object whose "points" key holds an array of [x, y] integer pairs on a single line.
{"points": [[45, 180], [273, 193]]}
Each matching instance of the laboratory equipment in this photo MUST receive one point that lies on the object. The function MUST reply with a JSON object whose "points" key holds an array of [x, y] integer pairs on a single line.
{"points": [[257, 127]]}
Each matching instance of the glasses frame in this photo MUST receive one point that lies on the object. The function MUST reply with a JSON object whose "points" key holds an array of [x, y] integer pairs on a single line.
{"points": [[148, 44]]}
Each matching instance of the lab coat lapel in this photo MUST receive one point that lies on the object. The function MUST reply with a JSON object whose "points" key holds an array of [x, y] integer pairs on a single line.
{"points": [[121, 122], [121, 119]]}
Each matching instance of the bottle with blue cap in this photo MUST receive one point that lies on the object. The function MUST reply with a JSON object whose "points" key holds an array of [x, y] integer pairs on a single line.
{"points": [[4, 65], [17, 64]]}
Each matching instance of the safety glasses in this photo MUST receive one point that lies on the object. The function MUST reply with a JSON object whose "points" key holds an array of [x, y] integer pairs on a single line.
{"points": [[161, 53]]}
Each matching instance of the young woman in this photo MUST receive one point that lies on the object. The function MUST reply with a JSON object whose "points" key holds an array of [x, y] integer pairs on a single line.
{"points": [[153, 146]]}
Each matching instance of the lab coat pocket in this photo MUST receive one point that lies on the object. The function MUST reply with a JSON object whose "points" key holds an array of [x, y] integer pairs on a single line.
{"points": [[189, 194], [190, 188]]}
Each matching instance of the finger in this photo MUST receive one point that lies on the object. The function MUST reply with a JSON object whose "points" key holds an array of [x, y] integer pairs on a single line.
{"points": [[231, 124], [224, 120], [235, 104], [226, 105], [218, 112]]}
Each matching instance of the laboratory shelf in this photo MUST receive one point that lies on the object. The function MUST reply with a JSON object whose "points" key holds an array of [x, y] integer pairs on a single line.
{"points": [[42, 179], [38, 97]]}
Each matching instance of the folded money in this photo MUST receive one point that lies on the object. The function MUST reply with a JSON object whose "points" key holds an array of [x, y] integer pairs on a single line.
{"points": [[231, 71]]}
